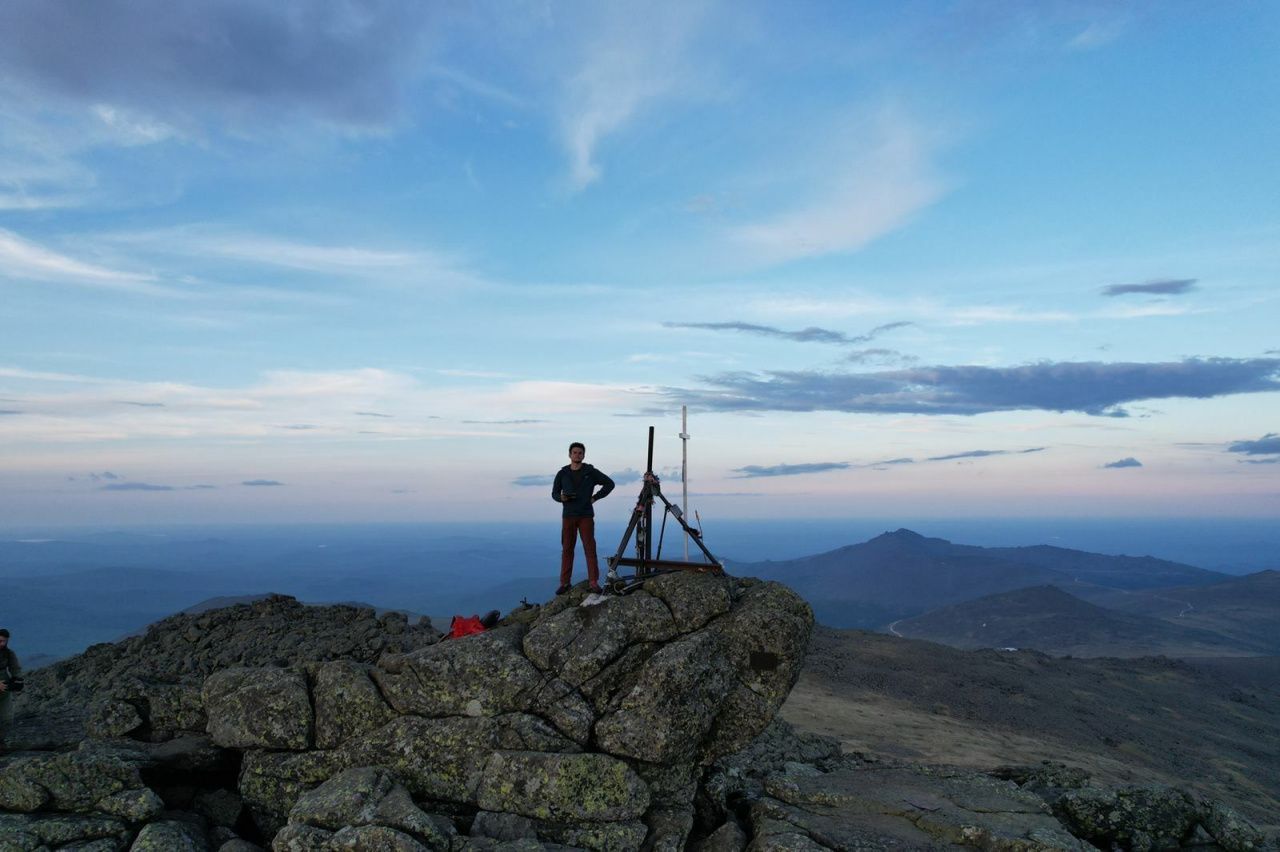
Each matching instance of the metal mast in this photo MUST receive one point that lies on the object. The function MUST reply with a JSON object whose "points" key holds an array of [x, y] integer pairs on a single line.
{"points": [[684, 470]]}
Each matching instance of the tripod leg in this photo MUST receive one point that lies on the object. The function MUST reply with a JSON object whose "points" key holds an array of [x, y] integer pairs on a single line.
{"points": [[636, 517]]}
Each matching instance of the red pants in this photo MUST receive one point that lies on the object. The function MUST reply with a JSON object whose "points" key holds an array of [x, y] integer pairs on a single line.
{"points": [[570, 528]]}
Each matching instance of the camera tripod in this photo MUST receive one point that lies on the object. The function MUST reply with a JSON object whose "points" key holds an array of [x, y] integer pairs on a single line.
{"points": [[646, 562]]}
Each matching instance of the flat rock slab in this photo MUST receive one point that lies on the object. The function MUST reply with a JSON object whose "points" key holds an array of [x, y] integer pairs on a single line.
{"points": [[908, 807]]}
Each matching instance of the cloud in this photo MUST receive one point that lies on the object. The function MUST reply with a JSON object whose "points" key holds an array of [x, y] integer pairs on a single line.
{"points": [[342, 63], [372, 414], [135, 486], [258, 483], [1093, 388], [813, 334], [535, 479], [1268, 444], [1128, 461], [888, 462], [142, 404], [106, 474], [350, 262], [1098, 34], [753, 471], [874, 186], [9, 411], [635, 57], [628, 476], [517, 422], [879, 356], [805, 335], [979, 454], [1163, 287], [24, 260], [1261, 461]]}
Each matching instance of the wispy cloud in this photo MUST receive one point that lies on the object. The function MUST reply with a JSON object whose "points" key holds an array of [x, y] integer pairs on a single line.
{"points": [[636, 56], [1159, 287], [979, 454], [379, 265], [1128, 461], [535, 479], [22, 259], [260, 483], [136, 486], [877, 355], [812, 334], [1089, 387], [753, 471], [875, 187]]}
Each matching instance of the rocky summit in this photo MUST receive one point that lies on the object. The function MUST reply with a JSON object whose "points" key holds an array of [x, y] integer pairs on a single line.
{"points": [[640, 722]]}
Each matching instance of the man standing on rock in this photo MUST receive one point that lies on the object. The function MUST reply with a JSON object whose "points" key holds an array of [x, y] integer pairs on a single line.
{"points": [[10, 668], [575, 489]]}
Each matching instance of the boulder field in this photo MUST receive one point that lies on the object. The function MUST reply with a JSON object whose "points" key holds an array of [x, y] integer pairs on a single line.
{"points": [[639, 722]]}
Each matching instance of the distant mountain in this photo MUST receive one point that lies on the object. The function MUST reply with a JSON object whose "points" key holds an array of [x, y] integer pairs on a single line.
{"points": [[902, 574], [1048, 619]]}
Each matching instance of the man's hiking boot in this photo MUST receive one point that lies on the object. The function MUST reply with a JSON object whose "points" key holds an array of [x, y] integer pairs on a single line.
{"points": [[563, 589], [594, 589]]}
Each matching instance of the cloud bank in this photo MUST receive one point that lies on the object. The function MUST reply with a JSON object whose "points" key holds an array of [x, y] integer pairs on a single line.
{"points": [[1094, 388], [344, 63], [1128, 461]]}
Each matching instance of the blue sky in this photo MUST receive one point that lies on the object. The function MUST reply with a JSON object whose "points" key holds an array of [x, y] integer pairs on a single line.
{"points": [[384, 261]]}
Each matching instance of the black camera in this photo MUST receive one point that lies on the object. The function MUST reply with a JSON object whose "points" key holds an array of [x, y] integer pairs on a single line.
{"points": [[14, 684], [569, 495]]}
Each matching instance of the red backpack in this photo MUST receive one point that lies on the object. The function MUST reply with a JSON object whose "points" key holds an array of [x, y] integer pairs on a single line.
{"points": [[465, 625]]}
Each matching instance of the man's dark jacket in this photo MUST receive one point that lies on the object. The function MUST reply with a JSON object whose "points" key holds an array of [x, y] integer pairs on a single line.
{"points": [[581, 484]]}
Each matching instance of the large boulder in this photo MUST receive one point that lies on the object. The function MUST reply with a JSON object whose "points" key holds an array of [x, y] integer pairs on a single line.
{"points": [[347, 702], [483, 676], [259, 708], [563, 787]]}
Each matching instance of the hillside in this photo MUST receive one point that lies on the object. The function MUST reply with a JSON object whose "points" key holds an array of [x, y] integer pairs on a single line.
{"points": [[1216, 729], [1243, 609], [1047, 619], [902, 574]]}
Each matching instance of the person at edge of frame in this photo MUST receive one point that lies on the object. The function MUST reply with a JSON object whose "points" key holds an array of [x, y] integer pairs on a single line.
{"points": [[9, 668], [575, 489]]}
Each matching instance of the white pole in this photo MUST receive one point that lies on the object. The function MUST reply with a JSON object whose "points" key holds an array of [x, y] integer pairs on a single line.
{"points": [[684, 469]]}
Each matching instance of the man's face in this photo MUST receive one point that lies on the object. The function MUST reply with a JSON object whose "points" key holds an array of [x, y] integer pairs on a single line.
{"points": [[4, 642], [577, 454]]}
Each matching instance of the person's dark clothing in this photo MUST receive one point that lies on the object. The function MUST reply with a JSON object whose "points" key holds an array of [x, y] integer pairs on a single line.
{"points": [[570, 529], [578, 517], [582, 484], [9, 668]]}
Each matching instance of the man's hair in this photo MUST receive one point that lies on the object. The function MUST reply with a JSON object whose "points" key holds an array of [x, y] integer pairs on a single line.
{"points": [[578, 444], [4, 631]]}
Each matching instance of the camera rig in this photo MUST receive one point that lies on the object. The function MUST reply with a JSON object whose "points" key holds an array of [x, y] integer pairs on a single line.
{"points": [[646, 561]]}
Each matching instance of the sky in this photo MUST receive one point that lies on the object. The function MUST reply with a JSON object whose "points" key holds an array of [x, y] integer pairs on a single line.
{"points": [[376, 260]]}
